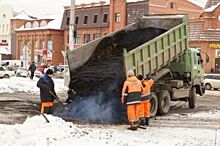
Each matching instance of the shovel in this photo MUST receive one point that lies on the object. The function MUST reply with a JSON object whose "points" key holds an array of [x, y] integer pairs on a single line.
{"points": [[56, 98]]}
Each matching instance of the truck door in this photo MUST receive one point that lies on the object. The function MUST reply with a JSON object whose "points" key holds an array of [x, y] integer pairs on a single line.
{"points": [[198, 61]]}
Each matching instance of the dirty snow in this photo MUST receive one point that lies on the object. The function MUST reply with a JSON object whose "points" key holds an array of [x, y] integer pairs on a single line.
{"points": [[19, 84], [35, 131]]}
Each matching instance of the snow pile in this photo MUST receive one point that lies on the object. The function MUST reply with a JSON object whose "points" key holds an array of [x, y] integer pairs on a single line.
{"points": [[18, 84], [36, 131]]}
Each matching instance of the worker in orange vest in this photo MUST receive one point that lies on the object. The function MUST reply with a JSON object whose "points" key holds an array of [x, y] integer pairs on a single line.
{"points": [[132, 89], [144, 110]]}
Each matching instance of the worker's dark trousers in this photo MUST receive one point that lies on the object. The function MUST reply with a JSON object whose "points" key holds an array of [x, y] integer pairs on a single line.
{"points": [[32, 75]]}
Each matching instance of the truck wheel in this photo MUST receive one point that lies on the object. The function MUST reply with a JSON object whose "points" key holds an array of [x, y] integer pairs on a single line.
{"points": [[163, 102], [153, 105], [192, 97], [208, 86], [6, 76]]}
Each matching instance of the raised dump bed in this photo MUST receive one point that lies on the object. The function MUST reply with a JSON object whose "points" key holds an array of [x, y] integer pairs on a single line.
{"points": [[98, 69]]}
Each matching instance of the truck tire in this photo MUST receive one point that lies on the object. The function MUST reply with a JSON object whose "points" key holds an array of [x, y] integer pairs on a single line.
{"points": [[153, 105], [192, 97], [163, 102]]}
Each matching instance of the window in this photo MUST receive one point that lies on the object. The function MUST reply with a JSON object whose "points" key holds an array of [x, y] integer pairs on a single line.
{"points": [[35, 24], [96, 36], [95, 18], [85, 20], [105, 18], [77, 20], [43, 23], [78, 39], [28, 25], [171, 5], [68, 21], [117, 17], [68, 38], [86, 38], [36, 45]]}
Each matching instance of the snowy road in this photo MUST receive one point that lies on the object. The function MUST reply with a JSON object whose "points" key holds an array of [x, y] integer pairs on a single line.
{"points": [[180, 127]]}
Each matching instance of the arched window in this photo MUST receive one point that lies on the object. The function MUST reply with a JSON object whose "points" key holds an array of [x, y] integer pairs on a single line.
{"points": [[35, 24], [43, 23], [28, 25]]}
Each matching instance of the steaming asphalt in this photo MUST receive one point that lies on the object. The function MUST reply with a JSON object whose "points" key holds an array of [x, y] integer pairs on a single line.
{"points": [[15, 108]]}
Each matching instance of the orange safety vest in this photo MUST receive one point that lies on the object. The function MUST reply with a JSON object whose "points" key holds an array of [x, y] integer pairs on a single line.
{"points": [[147, 84], [132, 89]]}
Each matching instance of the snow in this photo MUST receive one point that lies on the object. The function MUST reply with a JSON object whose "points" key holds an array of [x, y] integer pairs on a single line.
{"points": [[200, 3], [36, 131], [20, 84], [212, 8], [4, 50], [22, 16], [53, 24], [212, 114]]}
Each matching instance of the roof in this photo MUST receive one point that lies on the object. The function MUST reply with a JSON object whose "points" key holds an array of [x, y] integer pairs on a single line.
{"points": [[211, 3], [197, 33], [23, 16], [96, 3], [4, 50], [53, 24], [212, 8], [201, 3]]}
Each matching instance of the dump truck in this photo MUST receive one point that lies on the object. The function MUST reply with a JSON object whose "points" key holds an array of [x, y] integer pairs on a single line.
{"points": [[155, 45]]}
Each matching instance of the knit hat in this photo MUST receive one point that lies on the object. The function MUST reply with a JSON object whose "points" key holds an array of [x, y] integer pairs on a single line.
{"points": [[49, 72], [130, 73]]}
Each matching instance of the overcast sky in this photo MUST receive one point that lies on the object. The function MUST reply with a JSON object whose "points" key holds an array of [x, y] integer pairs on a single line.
{"points": [[40, 7]]}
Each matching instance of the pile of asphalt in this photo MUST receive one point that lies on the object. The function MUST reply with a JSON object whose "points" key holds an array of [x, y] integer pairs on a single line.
{"points": [[98, 83]]}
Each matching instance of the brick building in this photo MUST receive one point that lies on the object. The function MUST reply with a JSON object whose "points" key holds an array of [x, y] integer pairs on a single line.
{"points": [[16, 22], [205, 34], [6, 13], [193, 10], [40, 40], [97, 19]]}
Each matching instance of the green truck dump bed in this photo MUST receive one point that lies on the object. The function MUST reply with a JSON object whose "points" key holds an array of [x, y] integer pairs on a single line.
{"points": [[98, 69]]}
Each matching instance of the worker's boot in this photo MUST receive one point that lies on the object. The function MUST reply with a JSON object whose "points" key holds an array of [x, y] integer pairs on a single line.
{"points": [[142, 121], [147, 120], [133, 126]]}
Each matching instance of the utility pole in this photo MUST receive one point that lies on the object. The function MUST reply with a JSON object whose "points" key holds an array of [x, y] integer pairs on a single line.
{"points": [[72, 25], [71, 41]]}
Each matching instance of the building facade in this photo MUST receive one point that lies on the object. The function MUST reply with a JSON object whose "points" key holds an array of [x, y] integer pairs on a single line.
{"points": [[40, 40], [175, 7], [205, 34], [95, 20], [6, 13]]}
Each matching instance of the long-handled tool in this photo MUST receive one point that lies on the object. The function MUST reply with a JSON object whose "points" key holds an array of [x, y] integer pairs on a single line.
{"points": [[56, 98]]}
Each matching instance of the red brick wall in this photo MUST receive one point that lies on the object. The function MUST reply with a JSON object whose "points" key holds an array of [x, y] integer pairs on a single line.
{"points": [[209, 51], [211, 19], [117, 6], [54, 35], [179, 7]]}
